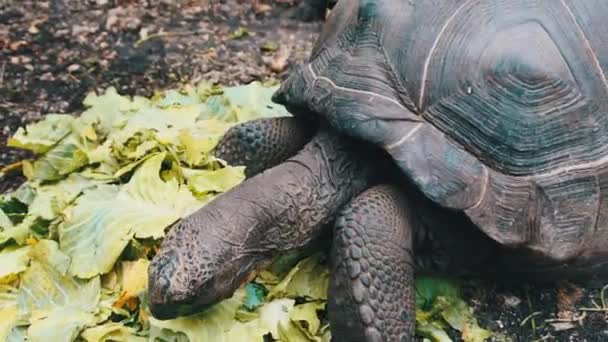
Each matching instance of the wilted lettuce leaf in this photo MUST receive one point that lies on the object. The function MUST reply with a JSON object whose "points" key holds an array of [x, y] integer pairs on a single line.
{"points": [[12, 211], [114, 332], [166, 123], [242, 103], [50, 200], [58, 305], [45, 285], [17, 233], [218, 323], [308, 279], [202, 182], [212, 324], [59, 324], [439, 304], [253, 101], [9, 313], [103, 220], [14, 260], [255, 296], [110, 111], [428, 289], [432, 330], [8, 321], [199, 140], [271, 316], [460, 317], [39, 137], [5, 221], [107, 305], [55, 259], [8, 296], [133, 279], [305, 317], [134, 276], [67, 156]]}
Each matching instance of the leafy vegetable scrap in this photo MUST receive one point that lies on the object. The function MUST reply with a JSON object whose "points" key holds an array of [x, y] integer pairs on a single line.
{"points": [[77, 237]]}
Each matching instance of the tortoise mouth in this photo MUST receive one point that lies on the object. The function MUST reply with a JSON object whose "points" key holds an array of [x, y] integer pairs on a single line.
{"points": [[169, 300], [171, 310]]}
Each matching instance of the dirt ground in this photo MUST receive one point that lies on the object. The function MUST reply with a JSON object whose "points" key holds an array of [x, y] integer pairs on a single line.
{"points": [[52, 53]]}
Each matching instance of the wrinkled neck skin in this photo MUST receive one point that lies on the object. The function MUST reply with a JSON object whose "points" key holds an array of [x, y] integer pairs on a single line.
{"points": [[208, 255]]}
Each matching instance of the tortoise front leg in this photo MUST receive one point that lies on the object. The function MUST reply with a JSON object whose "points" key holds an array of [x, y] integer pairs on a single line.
{"points": [[371, 292], [263, 143]]}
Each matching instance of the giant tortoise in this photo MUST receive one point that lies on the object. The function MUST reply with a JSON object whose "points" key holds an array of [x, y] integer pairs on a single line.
{"points": [[431, 135]]}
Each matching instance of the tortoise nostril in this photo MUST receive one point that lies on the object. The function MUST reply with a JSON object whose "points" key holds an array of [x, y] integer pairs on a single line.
{"points": [[158, 288], [161, 291], [160, 304]]}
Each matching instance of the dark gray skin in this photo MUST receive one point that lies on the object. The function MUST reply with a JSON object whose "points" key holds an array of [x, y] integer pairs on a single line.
{"points": [[208, 255], [283, 205]]}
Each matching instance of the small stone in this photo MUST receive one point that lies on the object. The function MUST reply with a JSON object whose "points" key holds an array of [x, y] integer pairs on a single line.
{"points": [[561, 326], [14, 46], [33, 30], [47, 76], [73, 67], [512, 301]]}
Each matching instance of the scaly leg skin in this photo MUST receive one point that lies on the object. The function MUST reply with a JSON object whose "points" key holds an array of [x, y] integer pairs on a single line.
{"points": [[208, 255], [263, 143], [371, 292]]}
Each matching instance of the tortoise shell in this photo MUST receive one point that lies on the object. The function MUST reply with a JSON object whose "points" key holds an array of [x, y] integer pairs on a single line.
{"points": [[495, 108]]}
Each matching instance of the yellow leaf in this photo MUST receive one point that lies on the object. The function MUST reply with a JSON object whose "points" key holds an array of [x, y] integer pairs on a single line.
{"points": [[14, 260], [126, 301], [111, 332], [135, 276], [8, 320]]}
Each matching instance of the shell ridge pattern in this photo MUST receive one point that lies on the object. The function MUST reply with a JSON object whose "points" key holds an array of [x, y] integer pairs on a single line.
{"points": [[405, 137], [351, 90], [598, 209], [484, 187], [427, 61], [396, 80], [587, 43], [524, 134], [362, 33]]}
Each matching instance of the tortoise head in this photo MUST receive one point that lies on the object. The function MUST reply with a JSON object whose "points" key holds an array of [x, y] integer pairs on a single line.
{"points": [[195, 268]]}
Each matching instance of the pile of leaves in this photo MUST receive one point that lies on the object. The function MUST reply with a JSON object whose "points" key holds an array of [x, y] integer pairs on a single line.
{"points": [[77, 237]]}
